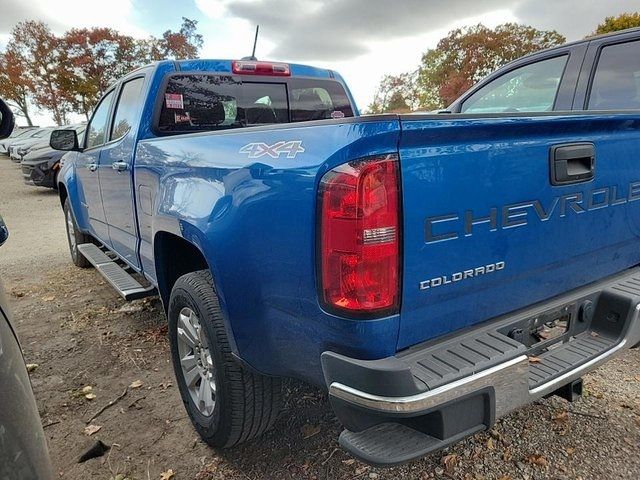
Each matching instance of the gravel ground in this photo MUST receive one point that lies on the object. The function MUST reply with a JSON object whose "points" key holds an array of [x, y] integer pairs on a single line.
{"points": [[81, 334]]}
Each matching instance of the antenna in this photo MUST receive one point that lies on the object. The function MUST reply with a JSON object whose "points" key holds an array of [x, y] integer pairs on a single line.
{"points": [[255, 42]]}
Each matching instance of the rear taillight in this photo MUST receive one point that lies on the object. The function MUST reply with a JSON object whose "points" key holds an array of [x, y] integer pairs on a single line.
{"points": [[249, 67], [359, 240]]}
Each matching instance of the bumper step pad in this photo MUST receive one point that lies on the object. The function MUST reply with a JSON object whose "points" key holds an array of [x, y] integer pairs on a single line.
{"points": [[388, 444], [557, 361], [126, 286]]}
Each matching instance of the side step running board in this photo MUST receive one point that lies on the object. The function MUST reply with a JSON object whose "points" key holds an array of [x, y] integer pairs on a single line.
{"points": [[127, 286]]}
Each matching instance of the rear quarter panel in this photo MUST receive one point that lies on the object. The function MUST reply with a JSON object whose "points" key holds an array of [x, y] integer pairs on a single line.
{"points": [[255, 221]]}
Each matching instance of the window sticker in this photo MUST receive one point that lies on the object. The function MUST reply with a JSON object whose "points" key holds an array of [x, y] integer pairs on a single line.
{"points": [[337, 114], [174, 100], [182, 117]]}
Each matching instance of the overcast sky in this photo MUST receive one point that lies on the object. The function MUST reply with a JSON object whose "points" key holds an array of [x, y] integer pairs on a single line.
{"points": [[362, 39]]}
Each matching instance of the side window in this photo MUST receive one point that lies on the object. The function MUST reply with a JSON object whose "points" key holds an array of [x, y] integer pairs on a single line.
{"points": [[616, 84], [127, 108], [96, 130], [530, 88]]}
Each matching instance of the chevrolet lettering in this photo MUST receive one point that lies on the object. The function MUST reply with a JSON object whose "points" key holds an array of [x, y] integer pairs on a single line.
{"points": [[449, 227]]}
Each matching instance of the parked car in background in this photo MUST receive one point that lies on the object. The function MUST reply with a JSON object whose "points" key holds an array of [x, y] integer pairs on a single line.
{"points": [[17, 133], [19, 148], [41, 164], [23, 447]]}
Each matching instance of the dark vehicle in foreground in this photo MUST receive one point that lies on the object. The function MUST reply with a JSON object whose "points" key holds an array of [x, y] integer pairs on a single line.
{"points": [[432, 272], [23, 447], [41, 164]]}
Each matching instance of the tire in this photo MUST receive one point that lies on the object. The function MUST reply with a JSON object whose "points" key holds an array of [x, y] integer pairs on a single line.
{"points": [[75, 237], [245, 404]]}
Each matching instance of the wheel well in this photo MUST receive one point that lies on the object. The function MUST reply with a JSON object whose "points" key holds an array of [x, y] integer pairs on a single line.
{"points": [[62, 191], [174, 256]]}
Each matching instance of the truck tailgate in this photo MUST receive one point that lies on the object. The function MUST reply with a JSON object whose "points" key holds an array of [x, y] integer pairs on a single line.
{"points": [[487, 232]]}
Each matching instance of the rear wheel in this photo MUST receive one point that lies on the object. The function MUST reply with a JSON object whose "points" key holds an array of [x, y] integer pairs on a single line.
{"points": [[227, 403], [75, 237]]}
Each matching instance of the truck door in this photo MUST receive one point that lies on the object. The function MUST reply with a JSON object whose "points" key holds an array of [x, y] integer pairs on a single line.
{"points": [[87, 163], [116, 168]]}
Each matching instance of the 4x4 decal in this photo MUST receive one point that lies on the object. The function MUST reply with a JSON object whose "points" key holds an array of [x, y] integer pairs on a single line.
{"points": [[260, 149]]}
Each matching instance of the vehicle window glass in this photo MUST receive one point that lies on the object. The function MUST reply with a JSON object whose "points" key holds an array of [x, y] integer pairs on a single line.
{"points": [[530, 88], [264, 103], [40, 133], [200, 102], [616, 84], [98, 125], [127, 108], [318, 100]]}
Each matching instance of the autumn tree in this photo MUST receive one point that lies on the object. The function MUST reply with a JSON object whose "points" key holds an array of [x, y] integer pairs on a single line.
{"points": [[466, 55], [14, 87], [621, 22], [37, 50], [185, 43], [71, 72], [397, 93]]}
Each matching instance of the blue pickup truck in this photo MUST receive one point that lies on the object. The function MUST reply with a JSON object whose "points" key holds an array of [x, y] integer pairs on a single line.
{"points": [[432, 271]]}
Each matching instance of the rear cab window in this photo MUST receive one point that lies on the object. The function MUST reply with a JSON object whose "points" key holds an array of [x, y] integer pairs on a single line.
{"points": [[194, 102]]}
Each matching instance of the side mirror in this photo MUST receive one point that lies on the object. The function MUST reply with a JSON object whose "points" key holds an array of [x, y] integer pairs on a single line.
{"points": [[65, 140], [4, 232], [6, 120]]}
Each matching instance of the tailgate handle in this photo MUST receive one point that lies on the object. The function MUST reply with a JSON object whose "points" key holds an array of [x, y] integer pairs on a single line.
{"points": [[572, 163]]}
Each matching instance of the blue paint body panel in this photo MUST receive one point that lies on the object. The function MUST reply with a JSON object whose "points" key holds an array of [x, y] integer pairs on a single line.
{"points": [[254, 220], [454, 166]]}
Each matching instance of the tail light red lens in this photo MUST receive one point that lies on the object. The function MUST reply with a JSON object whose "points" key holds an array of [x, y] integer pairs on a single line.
{"points": [[359, 241]]}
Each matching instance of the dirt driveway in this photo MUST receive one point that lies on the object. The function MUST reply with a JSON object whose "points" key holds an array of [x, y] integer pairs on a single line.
{"points": [[81, 334]]}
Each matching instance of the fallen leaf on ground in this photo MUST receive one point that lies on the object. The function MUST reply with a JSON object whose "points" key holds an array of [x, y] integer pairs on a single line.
{"points": [[534, 360], [450, 462], [490, 444], [31, 367], [136, 384], [362, 469], [561, 417], [168, 475], [91, 429], [349, 461], [570, 450], [87, 389], [537, 459], [309, 430], [48, 298], [90, 396]]}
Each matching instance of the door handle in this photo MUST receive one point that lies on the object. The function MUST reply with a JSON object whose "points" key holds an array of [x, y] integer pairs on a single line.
{"points": [[119, 166], [92, 166], [572, 163]]}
